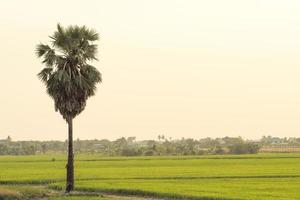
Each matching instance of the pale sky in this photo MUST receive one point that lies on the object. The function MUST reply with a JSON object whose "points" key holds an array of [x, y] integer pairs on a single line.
{"points": [[182, 68]]}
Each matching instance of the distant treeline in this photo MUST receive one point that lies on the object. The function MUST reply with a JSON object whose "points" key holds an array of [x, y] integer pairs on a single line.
{"points": [[162, 146]]}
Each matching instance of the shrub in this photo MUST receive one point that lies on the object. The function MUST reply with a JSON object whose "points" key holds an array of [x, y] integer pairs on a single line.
{"points": [[244, 148]]}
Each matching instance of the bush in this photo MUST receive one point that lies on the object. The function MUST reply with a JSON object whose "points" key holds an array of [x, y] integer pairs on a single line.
{"points": [[149, 153], [130, 152], [244, 148]]}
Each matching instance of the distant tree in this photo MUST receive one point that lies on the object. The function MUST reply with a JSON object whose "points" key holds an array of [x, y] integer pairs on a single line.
{"points": [[8, 139], [68, 77], [44, 148], [218, 150], [131, 139], [4, 149], [244, 148]]}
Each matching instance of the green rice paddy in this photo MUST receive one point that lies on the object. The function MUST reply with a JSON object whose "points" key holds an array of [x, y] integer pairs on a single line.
{"points": [[262, 176]]}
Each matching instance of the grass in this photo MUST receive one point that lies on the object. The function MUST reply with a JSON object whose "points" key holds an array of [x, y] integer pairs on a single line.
{"points": [[78, 198], [24, 192], [6, 194], [29, 192], [232, 188], [262, 176]]}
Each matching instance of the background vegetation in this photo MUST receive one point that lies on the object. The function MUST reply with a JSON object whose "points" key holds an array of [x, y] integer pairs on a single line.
{"points": [[162, 146]]}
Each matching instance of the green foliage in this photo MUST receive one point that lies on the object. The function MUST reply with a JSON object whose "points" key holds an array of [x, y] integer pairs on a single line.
{"points": [[243, 148], [130, 147], [68, 77]]}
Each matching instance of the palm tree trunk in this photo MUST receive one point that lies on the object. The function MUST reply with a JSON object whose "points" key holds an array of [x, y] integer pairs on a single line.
{"points": [[70, 164]]}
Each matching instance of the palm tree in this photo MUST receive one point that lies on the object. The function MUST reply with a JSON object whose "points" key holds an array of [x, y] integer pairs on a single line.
{"points": [[68, 77]]}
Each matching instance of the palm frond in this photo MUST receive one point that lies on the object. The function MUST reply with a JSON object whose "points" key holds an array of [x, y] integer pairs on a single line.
{"points": [[42, 49], [50, 58], [90, 52], [91, 35], [45, 74]]}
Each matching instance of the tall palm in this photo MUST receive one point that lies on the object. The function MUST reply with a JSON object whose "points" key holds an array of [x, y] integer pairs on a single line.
{"points": [[68, 77]]}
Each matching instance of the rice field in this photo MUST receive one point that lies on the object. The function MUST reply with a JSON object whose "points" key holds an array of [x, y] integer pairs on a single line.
{"points": [[262, 176]]}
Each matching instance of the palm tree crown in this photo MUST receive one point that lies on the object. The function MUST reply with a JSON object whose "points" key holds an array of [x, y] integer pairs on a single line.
{"points": [[68, 77]]}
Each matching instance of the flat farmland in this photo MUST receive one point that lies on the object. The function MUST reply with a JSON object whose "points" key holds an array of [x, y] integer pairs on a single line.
{"points": [[261, 176]]}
